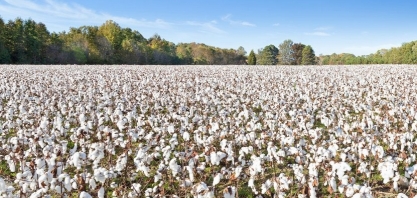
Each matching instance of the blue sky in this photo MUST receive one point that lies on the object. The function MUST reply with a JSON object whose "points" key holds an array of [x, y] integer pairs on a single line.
{"points": [[329, 26]]}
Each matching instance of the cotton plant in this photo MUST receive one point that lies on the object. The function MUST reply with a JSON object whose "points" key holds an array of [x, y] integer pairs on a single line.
{"points": [[208, 131]]}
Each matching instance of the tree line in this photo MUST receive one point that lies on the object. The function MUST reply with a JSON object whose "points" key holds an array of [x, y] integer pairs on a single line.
{"points": [[405, 54], [29, 42]]}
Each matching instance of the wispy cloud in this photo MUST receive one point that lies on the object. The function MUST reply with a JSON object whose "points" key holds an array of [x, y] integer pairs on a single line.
{"points": [[276, 24], [53, 12], [320, 31], [228, 18], [324, 28], [207, 27], [317, 33]]}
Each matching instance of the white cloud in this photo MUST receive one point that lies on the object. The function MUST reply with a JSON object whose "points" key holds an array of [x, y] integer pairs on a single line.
{"points": [[320, 31], [276, 24], [54, 12], [207, 27], [324, 28], [228, 17], [317, 34]]}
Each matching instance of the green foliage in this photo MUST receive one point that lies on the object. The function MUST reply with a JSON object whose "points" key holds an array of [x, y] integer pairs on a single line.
{"points": [[252, 58], [297, 54], [14, 41], [4, 54], [35, 41], [257, 109], [183, 52], [339, 59], [268, 55], [406, 54], [201, 54], [29, 42], [308, 57], [241, 51], [286, 52], [5, 170], [70, 144], [245, 191], [79, 55]]}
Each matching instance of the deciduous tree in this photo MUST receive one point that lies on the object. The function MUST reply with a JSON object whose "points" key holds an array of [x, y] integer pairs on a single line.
{"points": [[14, 41], [4, 53], [297, 54], [286, 52]]}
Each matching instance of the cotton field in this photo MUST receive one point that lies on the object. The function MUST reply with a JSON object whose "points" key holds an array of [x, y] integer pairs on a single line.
{"points": [[208, 131]]}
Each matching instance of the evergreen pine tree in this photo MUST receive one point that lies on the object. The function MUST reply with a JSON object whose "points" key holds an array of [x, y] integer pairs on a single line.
{"points": [[309, 58], [252, 58]]}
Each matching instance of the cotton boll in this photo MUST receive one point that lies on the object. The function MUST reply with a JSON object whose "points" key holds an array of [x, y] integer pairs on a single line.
{"points": [[82, 118], [33, 185], [136, 187], [11, 163], [121, 125], [3, 186], [101, 192], [402, 195], [37, 194], [190, 173], [251, 183], [256, 166], [43, 181], [157, 177], [265, 186], [217, 178], [67, 183], [77, 159], [25, 187], [18, 177], [90, 125], [121, 162], [84, 194], [223, 144], [200, 187], [332, 184], [387, 170], [92, 183], [186, 136], [175, 168], [145, 169], [312, 191], [344, 180], [237, 171], [44, 123], [99, 175], [349, 191], [171, 129], [358, 195], [58, 189], [216, 157], [9, 191]]}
